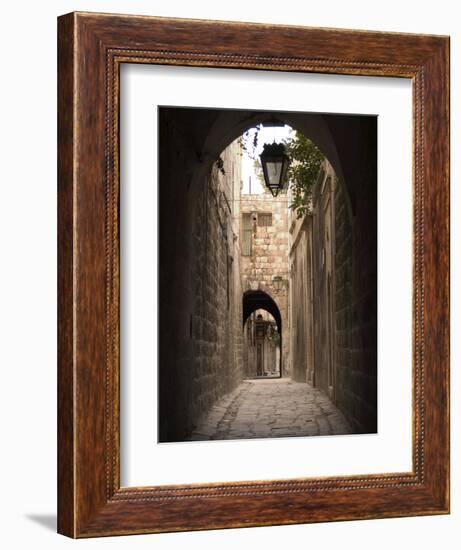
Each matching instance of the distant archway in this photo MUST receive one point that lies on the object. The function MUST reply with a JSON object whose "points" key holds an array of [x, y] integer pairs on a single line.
{"points": [[257, 299]]}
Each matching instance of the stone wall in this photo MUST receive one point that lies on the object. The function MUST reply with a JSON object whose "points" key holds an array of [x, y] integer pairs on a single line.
{"points": [[266, 267], [356, 303], [198, 367], [218, 307], [323, 261], [301, 297], [333, 299]]}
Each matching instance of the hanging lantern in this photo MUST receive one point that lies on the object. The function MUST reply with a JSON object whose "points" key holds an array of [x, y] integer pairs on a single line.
{"points": [[274, 162]]}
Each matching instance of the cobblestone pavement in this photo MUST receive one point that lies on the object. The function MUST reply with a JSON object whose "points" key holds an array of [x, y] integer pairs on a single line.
{"points": [[271, 408]]}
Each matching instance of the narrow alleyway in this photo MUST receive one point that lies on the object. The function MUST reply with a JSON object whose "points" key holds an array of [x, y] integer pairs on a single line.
{"points": [[271, 408], [267, 274]]}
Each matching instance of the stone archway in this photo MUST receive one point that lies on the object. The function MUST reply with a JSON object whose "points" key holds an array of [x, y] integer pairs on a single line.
{"points": [[220, 127], [258, 299]]}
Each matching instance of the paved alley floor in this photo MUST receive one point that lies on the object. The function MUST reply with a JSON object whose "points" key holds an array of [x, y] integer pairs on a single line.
{"points": [[271, 408]]}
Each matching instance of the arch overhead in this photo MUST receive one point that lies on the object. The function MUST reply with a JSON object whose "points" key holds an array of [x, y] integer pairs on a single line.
{"points": [[230, 124], [345, 139]]}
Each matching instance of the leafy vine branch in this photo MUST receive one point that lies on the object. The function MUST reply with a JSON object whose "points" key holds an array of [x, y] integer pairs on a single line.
{"points": [[305, 161]]}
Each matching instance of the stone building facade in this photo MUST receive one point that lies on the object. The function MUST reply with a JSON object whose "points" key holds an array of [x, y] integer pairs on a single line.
{"points": [[218, 308], [207, 363], [264, 256], [301, 299], [333, 304]]}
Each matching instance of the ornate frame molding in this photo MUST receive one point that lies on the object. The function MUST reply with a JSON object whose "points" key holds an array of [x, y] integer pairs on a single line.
{"points": [[91, 49]]}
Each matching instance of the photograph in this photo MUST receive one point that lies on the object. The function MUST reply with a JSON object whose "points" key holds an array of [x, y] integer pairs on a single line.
{"points": [[267, 267], [253, 273]]}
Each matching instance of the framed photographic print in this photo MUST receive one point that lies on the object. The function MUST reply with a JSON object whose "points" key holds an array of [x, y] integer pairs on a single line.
{"points": [[253, 275]]}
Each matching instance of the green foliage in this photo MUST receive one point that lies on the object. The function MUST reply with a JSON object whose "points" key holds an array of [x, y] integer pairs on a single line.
{"points": [[305, 161]]}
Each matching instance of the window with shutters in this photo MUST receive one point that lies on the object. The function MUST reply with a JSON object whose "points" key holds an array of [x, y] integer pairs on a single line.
{"points": [[246, 234], [264, 220]]}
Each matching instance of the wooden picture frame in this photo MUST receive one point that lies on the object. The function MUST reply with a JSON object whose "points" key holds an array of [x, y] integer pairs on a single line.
{"points": [[91, 48]]}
